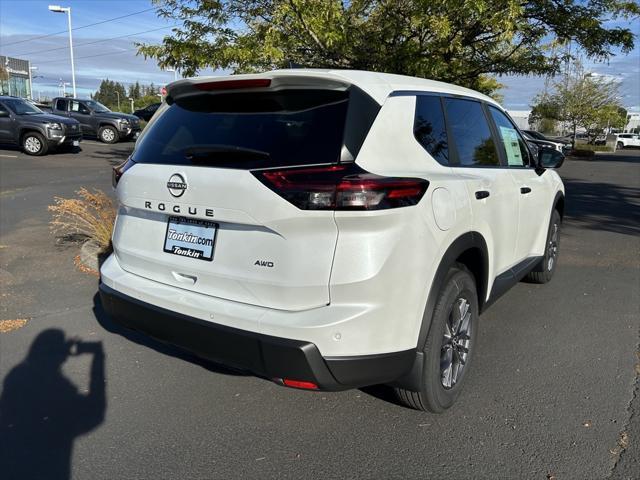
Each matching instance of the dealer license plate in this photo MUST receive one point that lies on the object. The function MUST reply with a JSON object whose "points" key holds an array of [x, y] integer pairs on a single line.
{"points": [[190, 238]]}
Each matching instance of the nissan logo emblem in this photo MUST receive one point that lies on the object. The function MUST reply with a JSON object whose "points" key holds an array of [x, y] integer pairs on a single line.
{"points": [[176, 185]]}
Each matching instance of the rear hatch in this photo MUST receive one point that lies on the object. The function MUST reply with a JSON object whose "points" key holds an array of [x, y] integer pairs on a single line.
{"points": [[194, 214]]}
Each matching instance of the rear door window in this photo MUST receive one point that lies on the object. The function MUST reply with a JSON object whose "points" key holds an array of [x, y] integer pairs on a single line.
{"points": [[248, 130], [429, 127], [470, 133]]}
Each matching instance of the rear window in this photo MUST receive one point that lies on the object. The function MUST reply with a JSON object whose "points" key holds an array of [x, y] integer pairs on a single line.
{"points": [[248, 130], [429, 127]]}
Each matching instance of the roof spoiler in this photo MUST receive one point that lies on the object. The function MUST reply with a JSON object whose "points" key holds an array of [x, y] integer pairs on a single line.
{"points": [[249, 83]]}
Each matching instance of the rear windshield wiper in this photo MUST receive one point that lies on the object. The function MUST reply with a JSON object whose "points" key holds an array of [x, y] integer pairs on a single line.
{"points": [[223, 153]]}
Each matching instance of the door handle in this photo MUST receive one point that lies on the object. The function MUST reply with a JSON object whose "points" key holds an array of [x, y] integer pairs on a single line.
{"points": [[482, 194], [525, 190]]}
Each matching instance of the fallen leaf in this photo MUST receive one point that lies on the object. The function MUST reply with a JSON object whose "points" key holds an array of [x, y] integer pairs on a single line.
{"points": [[624, 440], [8, 325]]}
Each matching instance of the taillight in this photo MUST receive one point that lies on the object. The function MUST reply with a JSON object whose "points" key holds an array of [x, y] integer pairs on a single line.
{"points": [[234, 84], [342, 187], [118, 170]]}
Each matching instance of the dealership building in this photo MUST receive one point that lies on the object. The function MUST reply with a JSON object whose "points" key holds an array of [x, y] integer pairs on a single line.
{"points": [[15, 78]]}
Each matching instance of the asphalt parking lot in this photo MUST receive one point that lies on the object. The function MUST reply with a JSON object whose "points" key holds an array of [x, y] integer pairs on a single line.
{"points": [[553, 392]]}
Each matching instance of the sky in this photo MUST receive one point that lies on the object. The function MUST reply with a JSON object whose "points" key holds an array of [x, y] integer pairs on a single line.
{"points": [[116, 59]]}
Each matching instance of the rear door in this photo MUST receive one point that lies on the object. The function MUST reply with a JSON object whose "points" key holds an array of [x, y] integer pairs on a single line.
{"points": [[196, 163], [491, 188]]}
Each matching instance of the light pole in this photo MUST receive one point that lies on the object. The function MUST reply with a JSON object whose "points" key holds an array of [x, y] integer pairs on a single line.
{"points": [[131, 100], [67, 10], [118, 95]]}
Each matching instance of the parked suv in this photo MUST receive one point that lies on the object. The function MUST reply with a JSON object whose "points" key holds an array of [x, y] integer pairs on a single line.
{"points": [[625, 140], [98, 120], [541, 139], [24, 124], [329, 229], [147, 112]]}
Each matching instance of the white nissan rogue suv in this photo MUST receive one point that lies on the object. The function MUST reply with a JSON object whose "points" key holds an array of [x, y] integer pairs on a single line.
{"points": [[329, 229]]}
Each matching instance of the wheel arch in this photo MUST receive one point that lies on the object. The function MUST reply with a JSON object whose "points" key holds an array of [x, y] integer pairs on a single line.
{"points": [[558, 204], [28, 129], [469, 249]]}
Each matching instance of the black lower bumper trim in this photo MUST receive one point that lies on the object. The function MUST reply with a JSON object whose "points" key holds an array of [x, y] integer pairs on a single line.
{"points": [[263, 355]]}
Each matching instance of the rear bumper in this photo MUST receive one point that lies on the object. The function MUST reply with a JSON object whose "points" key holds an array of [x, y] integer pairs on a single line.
{"points": [[266, 356]]}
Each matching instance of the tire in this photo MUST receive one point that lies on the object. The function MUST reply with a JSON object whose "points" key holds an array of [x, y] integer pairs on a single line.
{"points": [[441, 384], [619, 146], [33, 143], [108, 134], [543, 271]]}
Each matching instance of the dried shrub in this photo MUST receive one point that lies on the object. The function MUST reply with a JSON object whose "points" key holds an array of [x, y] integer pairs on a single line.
{"points": [[91, 214]]}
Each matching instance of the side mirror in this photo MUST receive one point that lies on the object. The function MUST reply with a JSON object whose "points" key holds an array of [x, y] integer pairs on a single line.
{"points": [[550, 157]]}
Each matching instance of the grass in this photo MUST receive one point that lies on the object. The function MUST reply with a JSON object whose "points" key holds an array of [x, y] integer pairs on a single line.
{"points": [[594, 148], [90, 215]]}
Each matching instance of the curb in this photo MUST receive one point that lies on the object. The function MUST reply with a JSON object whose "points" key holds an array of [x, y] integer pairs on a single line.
{"points": [[88, 261]]}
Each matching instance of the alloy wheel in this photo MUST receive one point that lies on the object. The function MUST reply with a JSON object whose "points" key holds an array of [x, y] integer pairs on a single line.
{"points": [[108, 135], [552, 248], [32, 145], [455, 343]]}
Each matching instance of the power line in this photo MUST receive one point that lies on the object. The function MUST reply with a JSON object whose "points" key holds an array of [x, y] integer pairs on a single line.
{"points": [[91, 43], [89, 56], [78, 28]]}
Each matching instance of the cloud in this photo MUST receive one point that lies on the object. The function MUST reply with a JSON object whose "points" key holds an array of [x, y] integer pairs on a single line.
{"points": [[519, 90]]}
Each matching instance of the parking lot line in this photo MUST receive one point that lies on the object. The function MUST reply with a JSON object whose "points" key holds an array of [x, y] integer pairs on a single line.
{"points": [[8, 156]]}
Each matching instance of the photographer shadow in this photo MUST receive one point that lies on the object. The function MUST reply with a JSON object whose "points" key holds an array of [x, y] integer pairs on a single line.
{"points": [[42, 411]]}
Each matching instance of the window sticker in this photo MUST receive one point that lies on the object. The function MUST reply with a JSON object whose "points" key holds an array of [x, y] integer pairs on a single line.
{"points": [[511, 145]]}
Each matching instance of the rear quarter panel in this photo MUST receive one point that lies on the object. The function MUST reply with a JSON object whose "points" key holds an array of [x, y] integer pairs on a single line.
{"points": [[388, 259]]}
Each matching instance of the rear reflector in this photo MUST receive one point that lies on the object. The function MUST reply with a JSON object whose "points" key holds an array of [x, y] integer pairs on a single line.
{"points": [[119, 170], [342, 187], [234, 84], [300, 384]]}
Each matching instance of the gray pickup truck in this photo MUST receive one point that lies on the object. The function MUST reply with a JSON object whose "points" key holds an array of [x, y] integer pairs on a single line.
{"points": [[96, 119]]}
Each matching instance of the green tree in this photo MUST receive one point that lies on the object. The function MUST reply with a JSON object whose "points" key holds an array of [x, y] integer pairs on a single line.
{"points": [[582, 100], [134, 90], [146, 100], [544, 114], [606, 117], [459, 41], [106, 93]]}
